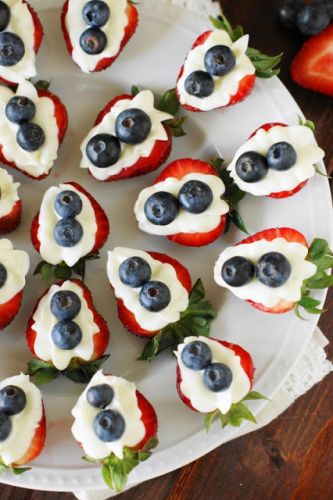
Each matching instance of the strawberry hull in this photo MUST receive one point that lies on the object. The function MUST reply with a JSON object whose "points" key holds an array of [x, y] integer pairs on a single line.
{"points": [[12, 220], [144, 165], [9, 310], [37, 443], [104, 63]]}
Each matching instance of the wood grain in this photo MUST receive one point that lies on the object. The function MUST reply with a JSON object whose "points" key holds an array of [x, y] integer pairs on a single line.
{"points": [[292, 457]]}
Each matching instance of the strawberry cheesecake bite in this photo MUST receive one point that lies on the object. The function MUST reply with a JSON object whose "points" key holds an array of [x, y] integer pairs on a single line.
{"points": [[277, 160], [130, 138], [215, 377], [116, 427], [66, 334], [220, 69], [10, 203], [96, 31], [184, 204], [22, 423], [14, 266], [275, 270], [21, 35], [69, 226], [33, 123]]}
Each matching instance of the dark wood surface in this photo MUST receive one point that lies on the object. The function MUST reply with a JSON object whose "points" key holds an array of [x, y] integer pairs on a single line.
{"points": [[292, 457]]}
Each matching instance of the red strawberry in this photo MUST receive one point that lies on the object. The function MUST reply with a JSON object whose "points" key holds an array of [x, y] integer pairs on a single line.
{"points": [[127, 317], [38, 36], [288, 234], [12, 220], [245, 360], [100, 339], [102, 222], [159, 154], [60, 114], [312, 67], [9, 310], [37, 443], [281, 194], [178, 169], [245, 85], [149, 419], [132, 15]]}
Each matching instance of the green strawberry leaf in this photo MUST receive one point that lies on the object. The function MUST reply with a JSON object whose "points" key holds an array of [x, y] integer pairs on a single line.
{"points": [[134, 90], [238, 221], [10, 468], [194, 321], [81, 371], [253, 396], [306, 123], [41, 372], [176, 126], [169, 102], [42, 85], [209, 419], [62, 271], [319, 172]]}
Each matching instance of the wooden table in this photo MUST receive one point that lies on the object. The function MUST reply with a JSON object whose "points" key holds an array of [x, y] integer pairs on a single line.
{"points": [[292, 457]]}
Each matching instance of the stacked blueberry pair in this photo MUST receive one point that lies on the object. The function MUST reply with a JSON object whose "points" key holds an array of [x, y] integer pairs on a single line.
{"points": [[136, 272], [96, 14], [12, 401], [108, 424], [65, 306], [219, 61], [12, 47], [68, 231]]}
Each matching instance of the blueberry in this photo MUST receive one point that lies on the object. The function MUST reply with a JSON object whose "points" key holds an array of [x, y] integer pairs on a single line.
{"points": [[67, 232], [103, 150], [287, 12], [3, 275], [313, 18], [161, 208], [195, 197], [219, 60], [200, 84], [273, 269], [196, 355], [66, 335], [96, 13], [133, 126], [11, 49], [217, 377], [154, 296], [4, 15], [100, 396], [251, 166], [237, 271], [20, 109], [30, 136], [281, 156], [5, 426], [68, 204], [109, 425], [93, 41], [12, 400], [65, 305], [134, 272]]}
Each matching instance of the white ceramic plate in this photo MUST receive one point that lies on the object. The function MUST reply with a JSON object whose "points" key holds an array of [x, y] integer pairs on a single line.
{"points": [[152, 59]]}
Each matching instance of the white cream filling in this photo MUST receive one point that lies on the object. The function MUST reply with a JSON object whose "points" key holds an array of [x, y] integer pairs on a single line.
{"points": [[185, 222], [22, 25], [257, 291], [17, 264], [8, 193], [125, 402], [24, 424], [44, 322], [38, 162], [308, 154], [225, 86], [114, 30], [130, 153], [166, 273], [48, 217], [193, 387]]}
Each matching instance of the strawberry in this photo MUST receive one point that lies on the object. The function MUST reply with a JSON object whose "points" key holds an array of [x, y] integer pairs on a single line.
{"points": [[38, 37], [12, 220], [144, 164], [104, 62], [312, 67], [61, 116], [127, 317], [179, 169], [101, 221], [37, 443], [9, 310]]}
